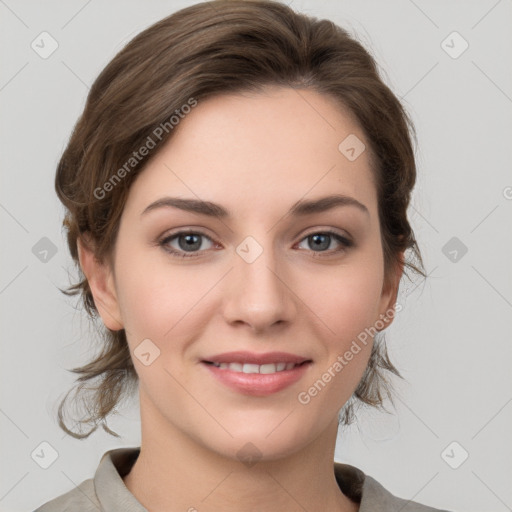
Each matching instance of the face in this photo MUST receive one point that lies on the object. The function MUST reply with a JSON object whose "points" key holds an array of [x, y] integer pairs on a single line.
{"points": [[280, 284]]}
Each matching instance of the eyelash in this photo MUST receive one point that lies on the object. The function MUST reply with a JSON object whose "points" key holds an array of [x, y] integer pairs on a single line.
{"points": [[345, 243]]}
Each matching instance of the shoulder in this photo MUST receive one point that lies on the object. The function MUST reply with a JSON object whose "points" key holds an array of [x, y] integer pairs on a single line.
{"points": [[371, 495], [375, 496], [106, 491], [82, 497]]}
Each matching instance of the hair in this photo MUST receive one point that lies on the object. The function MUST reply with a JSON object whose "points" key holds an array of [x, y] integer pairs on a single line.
{"points": [[208, 49]]}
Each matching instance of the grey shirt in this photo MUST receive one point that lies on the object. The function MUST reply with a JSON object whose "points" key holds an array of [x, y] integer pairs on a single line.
{"points": [[106, 492]]}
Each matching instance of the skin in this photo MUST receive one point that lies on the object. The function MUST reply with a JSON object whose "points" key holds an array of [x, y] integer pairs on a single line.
{"points": [[255, 154]]}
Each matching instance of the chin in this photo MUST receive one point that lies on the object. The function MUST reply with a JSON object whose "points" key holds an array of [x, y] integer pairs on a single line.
{"points": [[258, 441]]}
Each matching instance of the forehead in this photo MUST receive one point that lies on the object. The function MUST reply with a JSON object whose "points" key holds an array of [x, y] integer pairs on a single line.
{"points": [[272, 147]]}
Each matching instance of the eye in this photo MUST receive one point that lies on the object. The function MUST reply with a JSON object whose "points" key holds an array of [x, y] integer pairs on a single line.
{"points": [[322, 240], [190, 244]]}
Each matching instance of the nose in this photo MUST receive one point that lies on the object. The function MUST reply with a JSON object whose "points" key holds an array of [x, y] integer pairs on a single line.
{"points": [[258, 294]]}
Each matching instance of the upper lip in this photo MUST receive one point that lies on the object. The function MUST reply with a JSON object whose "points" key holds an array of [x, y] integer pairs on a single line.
{"points": [[255, 358]]}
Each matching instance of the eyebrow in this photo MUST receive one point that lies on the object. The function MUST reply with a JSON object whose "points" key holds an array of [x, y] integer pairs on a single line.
{"points": [[300, 208]]}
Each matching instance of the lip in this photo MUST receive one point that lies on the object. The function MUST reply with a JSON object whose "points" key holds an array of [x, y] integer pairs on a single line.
{"points": [[257, 384]]}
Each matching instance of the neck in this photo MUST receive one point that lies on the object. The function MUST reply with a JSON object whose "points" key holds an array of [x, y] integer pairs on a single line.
{"points": [[175, 473]]}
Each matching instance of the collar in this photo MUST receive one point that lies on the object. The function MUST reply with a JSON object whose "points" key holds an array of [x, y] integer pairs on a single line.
{"points": [[113, 495]]}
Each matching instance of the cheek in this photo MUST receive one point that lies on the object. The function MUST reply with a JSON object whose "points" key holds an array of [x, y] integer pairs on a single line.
{"points": [[345, 300], [157, 305], [145, 314], [154, 296], [344, 305], [347, 305]]}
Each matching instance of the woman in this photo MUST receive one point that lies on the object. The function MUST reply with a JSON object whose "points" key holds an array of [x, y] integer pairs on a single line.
{"points": [[236, 193]]}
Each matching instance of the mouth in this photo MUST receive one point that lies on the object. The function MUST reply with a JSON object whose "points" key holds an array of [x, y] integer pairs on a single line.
{"points": [[257, 374], [265, 369]]}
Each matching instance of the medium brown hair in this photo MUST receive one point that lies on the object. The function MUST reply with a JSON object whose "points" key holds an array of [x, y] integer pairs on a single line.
{"points": [[211, 48]]}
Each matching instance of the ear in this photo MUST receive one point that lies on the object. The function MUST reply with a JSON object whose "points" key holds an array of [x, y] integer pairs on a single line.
{"points": [[390, 293], [100, 278]]}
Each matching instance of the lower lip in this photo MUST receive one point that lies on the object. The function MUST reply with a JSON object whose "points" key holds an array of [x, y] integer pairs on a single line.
{"points": [[258, 384]]}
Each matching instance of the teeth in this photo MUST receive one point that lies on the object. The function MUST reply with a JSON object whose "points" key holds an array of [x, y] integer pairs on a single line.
{"points": [[268, 368], [251, 368], [255, 368]]}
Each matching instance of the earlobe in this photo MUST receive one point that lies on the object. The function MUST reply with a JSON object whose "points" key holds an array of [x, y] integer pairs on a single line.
{"points": [[101, 283]]}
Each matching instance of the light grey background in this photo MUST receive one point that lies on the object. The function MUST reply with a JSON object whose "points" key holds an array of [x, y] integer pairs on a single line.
{"points": [[451, 341]]}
